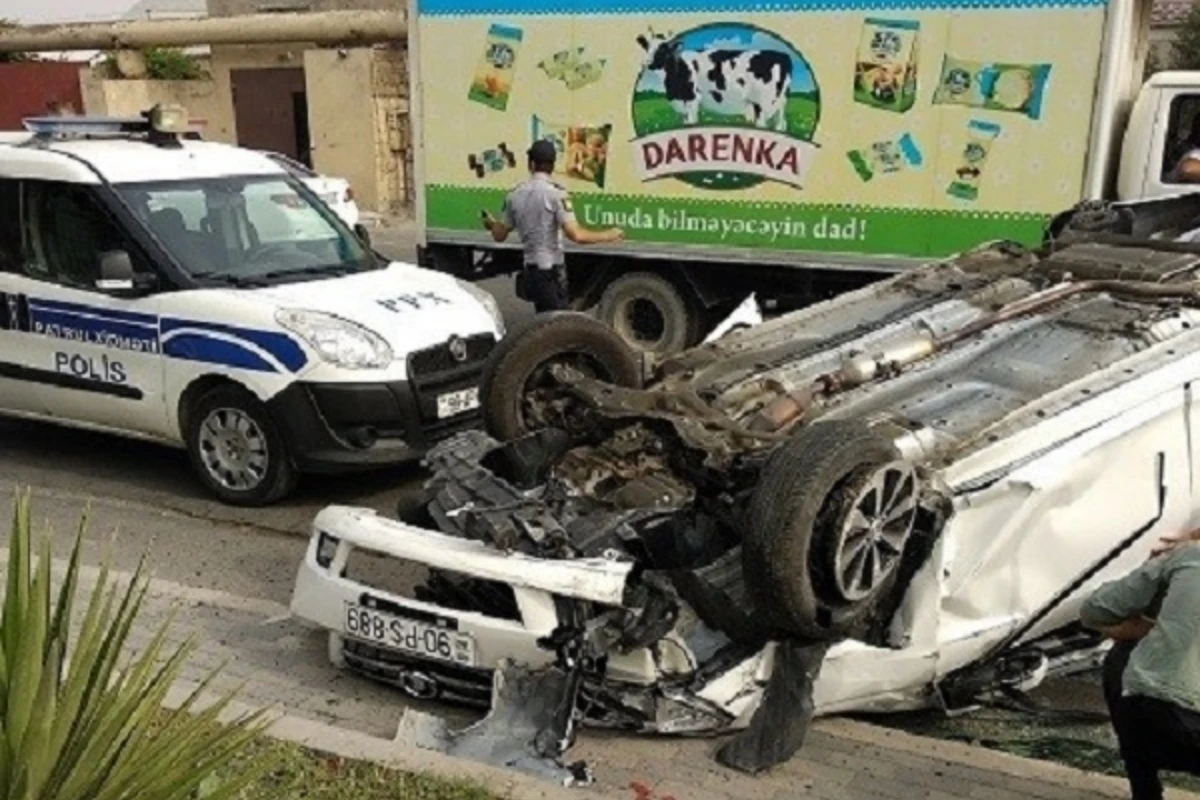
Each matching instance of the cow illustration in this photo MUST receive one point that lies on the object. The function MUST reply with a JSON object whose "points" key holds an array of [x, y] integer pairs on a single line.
{"points": [[749, 83]]}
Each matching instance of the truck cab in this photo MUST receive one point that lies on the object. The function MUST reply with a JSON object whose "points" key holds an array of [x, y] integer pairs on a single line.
{"points": [[1163, 125]]}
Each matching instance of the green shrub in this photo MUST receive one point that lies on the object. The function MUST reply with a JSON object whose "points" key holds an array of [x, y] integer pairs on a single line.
{"points": [[1185, 50], [85, 722], [162, 64]]}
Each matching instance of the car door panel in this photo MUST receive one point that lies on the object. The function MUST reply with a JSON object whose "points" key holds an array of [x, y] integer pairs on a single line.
{"points": [[17, 394], [97, 356], [18, 390]]}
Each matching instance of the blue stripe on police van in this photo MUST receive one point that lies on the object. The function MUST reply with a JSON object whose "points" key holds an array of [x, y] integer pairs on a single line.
{"points": [[197, 347], [93, 311], [139, 332], [282, 347]]}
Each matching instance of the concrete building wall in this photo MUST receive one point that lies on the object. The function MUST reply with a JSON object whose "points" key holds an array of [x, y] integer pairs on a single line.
{"points": [[358, 120], [125, 98], [393, 139], [341, 118]]}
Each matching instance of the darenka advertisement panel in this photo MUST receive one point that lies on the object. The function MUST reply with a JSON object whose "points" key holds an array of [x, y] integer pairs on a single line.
{"points": [[909, 129]]}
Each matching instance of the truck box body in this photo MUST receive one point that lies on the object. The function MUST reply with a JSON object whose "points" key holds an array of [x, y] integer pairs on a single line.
{"points": [[795, 131]]}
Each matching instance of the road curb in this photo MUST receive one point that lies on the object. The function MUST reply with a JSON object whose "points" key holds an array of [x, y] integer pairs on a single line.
{"points": [[406, 757], [389, 753]]}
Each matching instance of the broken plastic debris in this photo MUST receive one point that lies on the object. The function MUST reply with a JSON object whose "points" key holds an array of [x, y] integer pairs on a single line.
{"points": [[523, 730]]}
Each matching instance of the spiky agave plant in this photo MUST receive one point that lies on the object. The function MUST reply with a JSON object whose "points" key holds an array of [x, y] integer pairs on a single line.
{"points": [[86, 722]]}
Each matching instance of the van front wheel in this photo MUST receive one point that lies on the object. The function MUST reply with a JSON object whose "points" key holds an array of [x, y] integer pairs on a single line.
{"points": [[236, 448]]}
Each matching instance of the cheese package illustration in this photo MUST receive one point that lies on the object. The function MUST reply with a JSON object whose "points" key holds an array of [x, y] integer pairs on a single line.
{"points": [[885, 72], [573, 68], [1016, 88], [493, 80], [880, 158], [980, 138], [582, 149]]}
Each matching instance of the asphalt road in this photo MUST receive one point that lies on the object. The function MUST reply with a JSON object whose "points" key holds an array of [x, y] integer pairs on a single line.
{"points": [[85, 464]]}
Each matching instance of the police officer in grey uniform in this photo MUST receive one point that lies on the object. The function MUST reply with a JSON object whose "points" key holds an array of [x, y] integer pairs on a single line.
{"points": [[540, 211]]}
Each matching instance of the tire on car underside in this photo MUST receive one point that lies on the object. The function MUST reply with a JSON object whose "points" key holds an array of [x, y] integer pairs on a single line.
{"points": [[517, 365], [826, 529]]}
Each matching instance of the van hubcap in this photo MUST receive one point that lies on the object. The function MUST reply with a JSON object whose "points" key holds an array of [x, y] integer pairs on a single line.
{"points": [[233, 449]]}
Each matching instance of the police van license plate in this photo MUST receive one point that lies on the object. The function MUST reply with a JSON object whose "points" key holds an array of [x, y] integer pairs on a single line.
{"points": [[418, 638], [452, 404]]}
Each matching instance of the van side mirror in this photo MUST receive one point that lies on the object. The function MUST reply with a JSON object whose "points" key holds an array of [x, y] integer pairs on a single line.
{"points": [[363, 234], [117, 276]]}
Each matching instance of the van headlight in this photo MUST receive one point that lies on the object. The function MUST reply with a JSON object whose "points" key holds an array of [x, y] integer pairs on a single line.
{"points": [[487, 301], [338, 341]]}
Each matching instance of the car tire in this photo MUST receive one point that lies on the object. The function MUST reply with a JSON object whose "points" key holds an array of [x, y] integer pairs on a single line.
{"points": [[536, 344], [800, 534], [650, 313], [257, 470]]}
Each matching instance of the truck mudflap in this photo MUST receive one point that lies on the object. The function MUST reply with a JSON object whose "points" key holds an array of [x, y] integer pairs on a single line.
{"points": [[780, 724]]}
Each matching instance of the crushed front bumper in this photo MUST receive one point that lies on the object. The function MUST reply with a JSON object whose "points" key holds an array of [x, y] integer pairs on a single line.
{"points": [[655, 685], [322, 591]]}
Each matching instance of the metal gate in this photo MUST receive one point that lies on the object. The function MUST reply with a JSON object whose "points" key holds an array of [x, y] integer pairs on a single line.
{"points": [[270, 111]]}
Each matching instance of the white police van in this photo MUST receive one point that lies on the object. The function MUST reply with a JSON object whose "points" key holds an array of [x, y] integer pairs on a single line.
{"points": [[195, 294]]}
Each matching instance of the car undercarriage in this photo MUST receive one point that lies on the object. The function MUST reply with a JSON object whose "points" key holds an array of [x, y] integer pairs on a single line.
{"points": [[870, 504]]}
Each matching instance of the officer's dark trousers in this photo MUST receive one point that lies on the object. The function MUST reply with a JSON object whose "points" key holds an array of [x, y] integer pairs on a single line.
{"points": [[1154, 735], [546, 288]]}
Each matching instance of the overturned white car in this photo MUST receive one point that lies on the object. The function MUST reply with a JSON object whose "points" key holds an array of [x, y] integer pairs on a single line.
{"points": [[894, 499]]}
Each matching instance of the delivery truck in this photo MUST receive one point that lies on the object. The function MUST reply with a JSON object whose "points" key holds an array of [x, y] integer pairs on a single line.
{"points": [[792, 148]]}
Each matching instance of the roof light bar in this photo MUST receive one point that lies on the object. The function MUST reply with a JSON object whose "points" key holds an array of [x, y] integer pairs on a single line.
{"points": [[170, 120], [49, 126]]}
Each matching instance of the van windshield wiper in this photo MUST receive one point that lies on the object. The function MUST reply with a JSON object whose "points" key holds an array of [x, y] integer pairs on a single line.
{"points": [[325, 269], [240, 281]]}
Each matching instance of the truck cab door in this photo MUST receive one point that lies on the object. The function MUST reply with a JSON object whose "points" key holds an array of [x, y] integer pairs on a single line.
{"points": [[1163, 129]]}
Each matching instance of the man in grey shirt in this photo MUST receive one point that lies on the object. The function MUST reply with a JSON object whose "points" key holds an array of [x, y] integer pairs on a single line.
{"points": [[1152, 674], [540, 211]]}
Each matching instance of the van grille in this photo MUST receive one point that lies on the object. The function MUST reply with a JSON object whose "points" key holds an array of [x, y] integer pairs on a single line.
{"points": [[438, 358]]}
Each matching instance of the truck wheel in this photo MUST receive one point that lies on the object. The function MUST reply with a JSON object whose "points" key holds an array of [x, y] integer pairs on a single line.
{"points": [[827, 527], [236, 448], [650, 313], [517, 369]]}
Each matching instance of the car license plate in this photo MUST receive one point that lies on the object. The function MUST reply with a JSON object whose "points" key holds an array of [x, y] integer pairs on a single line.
{"points": [[418, 638], [452, 404]]}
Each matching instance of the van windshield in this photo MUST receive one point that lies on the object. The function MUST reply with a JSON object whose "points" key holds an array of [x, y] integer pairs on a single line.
{"points": [[247, 230]]}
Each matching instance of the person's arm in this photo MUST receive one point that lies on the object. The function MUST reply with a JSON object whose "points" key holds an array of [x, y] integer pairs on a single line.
{"points": [[500, 230], [1117, 609], [576, 233], [1168, 543], [1131, 630], [1188, 169]]}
